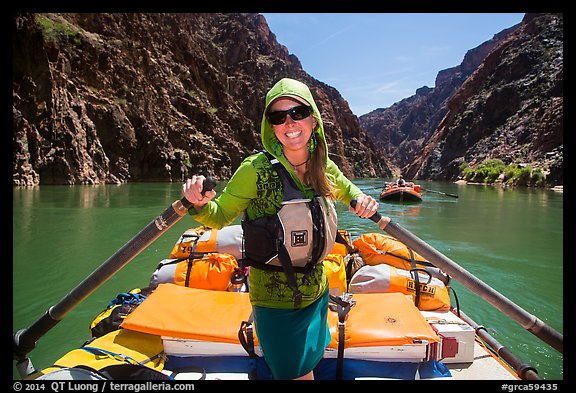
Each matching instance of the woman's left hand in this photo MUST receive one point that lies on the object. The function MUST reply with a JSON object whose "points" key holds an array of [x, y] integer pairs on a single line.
{"points": [[366, 206]]}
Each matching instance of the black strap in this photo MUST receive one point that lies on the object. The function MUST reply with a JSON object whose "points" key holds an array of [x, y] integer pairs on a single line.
{"points": [[457, 308], [416, 279], [342, 240], [286, 262], [196, 240], [188, 272], [289, 188], [319, 236], [419, 269], [134, 372], [191, 257], [246, 337], [342, 308], [189, 369], [349, 266], [351, 251], [425, 263], [178, 260]]}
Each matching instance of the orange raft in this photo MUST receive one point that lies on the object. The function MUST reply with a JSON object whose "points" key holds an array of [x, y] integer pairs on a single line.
{"points": [[408, 193]]}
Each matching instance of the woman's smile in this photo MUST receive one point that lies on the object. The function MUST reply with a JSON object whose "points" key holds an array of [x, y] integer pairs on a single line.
{"points": [[293, 134]]}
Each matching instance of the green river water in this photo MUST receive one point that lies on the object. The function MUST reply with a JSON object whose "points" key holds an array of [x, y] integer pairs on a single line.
{"points": [[512, 239]]}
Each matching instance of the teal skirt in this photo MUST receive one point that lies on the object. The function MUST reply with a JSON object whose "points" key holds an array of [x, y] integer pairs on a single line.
{"points": [[293, 340]]}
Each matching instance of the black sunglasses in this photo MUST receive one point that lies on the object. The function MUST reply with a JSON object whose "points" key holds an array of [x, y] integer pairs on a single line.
{"points": [[299, 112]]}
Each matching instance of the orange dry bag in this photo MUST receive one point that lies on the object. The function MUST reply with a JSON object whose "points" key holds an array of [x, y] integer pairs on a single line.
{"points": [[428, 293], [194, 241], [377, 248], [213, 271]]}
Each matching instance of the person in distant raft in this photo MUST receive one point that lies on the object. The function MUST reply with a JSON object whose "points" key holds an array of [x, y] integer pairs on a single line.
{"points": [[286, 196]]}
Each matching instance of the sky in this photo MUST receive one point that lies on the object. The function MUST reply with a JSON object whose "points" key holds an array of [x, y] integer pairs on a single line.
{"points": [[377, 59]]}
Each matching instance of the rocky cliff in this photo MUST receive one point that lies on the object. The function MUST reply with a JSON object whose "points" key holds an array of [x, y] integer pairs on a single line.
{"points": [[504, 101], [110, 98], [403, 129]]}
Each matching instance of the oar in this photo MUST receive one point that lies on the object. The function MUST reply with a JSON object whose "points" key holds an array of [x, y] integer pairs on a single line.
{"points": [[24, 340], [524, 370], [496, 299], [439, 192]]}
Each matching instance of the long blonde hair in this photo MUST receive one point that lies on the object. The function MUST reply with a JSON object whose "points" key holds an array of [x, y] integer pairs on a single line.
{"points": [[315, 175]]}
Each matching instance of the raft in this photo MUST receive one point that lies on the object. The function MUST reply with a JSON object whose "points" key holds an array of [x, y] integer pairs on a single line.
{"points": [[407, 193], [390, 317]]}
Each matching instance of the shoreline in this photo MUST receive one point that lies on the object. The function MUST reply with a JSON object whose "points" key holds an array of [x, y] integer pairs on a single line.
{"points": [[557, 188]]}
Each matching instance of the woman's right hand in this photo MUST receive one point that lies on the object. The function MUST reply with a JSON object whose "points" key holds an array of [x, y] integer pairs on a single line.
{"points": [[192, 190]]}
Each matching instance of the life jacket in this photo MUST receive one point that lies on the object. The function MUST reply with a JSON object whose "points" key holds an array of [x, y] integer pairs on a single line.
{"points": [[296, 238], [111, 318]]}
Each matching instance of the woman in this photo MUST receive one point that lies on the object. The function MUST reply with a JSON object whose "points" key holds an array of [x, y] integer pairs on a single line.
{"points": [[290, 315]]}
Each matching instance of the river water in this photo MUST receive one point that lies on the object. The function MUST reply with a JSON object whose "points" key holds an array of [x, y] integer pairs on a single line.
{"points": [[512, 239]]}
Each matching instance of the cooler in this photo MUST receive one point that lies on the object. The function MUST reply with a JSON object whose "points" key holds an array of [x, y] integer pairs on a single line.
{"points": [[457, 337]]}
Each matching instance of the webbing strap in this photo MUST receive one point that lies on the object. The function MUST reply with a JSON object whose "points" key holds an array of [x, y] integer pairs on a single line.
{"points": [[286, 262], [411, 259], [342, 240], [416, 279], [351, 251], [343, 308], [318, 238], [191, 258], [118, 356], [289, 188], [247, 340], [246, 337]]}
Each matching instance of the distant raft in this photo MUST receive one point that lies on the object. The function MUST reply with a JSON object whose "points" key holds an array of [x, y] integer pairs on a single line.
{"points": [[409, 192]]}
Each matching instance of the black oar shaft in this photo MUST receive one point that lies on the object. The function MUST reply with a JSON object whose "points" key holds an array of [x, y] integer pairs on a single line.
{"points": [[28, 337], [524, 370], [25, 339], [502, 303], [441, 193], [496, 299]]}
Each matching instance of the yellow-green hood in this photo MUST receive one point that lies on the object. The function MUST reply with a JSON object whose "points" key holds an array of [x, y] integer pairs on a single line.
{"points": [[287, 87]]}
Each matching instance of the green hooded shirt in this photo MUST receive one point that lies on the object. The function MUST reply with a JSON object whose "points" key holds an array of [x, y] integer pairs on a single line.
{"points": [[256, 189]]}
